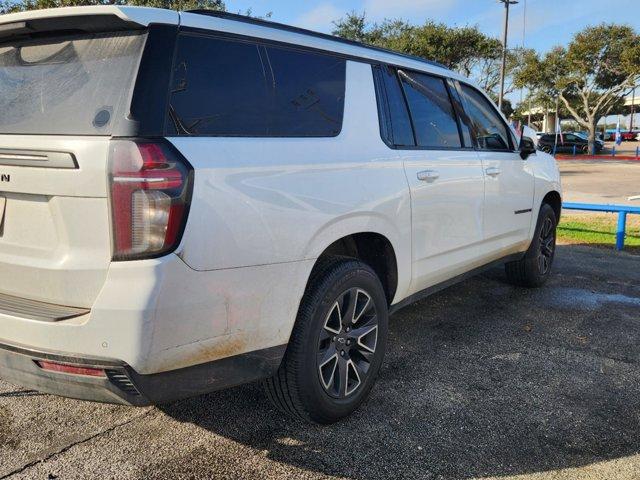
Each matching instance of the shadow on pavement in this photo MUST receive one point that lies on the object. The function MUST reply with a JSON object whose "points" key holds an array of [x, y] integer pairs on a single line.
{"points": [[483, 379]]}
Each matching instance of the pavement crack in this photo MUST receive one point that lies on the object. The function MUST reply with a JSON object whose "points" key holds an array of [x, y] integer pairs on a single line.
{"points": [[79, 440]]}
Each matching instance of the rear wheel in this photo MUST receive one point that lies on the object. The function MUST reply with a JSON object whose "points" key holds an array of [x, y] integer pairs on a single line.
{"points": [[534, 268], [546, 149], [337, 344]]}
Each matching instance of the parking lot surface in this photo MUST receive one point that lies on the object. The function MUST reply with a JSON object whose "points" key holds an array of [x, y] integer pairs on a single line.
{"points": [[600, 181], [482, 380]]}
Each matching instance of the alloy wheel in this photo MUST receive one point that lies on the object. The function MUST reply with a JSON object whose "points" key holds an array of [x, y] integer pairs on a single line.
{"points": [[347, 343], [547, 246]]}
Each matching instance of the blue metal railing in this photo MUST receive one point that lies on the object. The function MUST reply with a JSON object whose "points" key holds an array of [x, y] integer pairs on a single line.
{"points": [[621, 210]]}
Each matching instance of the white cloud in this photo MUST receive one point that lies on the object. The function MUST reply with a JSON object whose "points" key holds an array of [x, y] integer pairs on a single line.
{"points": [[320, 18], [412, 10]]}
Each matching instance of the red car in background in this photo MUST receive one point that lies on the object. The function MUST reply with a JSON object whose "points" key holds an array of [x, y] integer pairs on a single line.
{"points": [[627, 136]]}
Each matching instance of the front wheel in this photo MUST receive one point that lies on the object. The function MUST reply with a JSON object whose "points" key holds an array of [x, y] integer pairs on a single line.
{"points": [[534, 268], [337, 344]]}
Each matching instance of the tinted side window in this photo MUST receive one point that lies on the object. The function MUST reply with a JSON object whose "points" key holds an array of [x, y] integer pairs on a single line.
{"points": [[397, 128], [491, 131], [433, 117], [234, 88], [308, 93]]}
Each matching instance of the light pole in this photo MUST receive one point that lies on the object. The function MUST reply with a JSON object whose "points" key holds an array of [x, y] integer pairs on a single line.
{"points": [[503, 67], [633, 108]]}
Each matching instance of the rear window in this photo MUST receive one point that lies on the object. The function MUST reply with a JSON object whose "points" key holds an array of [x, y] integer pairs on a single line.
{"points": [[235, 88], [67, 85]]}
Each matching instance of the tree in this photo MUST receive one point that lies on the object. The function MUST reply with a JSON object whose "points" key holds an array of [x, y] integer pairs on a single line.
{"points": [[464, 49], [590, 76], [8, 6], [487, 70]]}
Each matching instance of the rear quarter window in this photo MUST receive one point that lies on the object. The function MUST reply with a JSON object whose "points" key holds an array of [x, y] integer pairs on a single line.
{"points": [[224, 87]]}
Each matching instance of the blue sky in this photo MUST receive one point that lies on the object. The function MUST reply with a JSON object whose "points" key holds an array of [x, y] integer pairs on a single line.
{"points": [[548, 22]]}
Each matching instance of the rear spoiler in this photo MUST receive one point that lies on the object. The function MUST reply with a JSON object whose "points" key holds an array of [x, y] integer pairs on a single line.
{"points": [[82, 20]]}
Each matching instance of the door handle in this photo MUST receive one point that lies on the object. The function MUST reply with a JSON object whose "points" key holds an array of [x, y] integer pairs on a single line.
{"points": [[493, 171], [428, 175]]}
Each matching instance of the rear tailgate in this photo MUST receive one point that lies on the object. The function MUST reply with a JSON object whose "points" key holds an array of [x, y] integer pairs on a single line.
{"points": [[67, 78], [54, 234]]}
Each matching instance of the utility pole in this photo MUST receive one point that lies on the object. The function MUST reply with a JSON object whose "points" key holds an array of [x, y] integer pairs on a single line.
{"points": [[524, 35], [503, 67], [633, 108]]}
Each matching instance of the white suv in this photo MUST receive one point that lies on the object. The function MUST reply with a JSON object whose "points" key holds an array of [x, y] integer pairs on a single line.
{"points": [[194, 200]]}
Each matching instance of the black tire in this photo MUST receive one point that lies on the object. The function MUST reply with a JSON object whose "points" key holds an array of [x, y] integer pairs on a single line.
{"points": [[534, 268], [546, 149], [308, 389]]}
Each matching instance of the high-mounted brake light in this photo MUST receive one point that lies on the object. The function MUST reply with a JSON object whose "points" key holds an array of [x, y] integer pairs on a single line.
{"points": [[150, 194]]}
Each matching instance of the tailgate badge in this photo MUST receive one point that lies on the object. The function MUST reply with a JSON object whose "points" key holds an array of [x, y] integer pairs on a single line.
{"points": [[5, 177]]}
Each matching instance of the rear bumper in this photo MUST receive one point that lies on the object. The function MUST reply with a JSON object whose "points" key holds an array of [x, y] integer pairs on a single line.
{"points": [[123, 385], [160, 315]]}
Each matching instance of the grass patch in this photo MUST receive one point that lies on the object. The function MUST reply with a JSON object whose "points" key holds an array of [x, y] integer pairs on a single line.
{"points": [[599, 230]]}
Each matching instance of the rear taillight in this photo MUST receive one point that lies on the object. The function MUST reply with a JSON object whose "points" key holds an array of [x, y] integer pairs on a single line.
{"points": [[150, 186]]}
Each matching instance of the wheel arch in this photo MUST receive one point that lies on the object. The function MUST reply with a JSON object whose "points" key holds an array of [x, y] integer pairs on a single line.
{"points": [[554, 200], [372, 248]]}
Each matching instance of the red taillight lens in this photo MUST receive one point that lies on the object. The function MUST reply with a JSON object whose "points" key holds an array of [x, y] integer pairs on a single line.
{"points": [[150, 196], [70, 369]]}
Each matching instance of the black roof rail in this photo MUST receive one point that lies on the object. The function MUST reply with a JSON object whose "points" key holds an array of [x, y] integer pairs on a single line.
{"points": [[289, 28]]}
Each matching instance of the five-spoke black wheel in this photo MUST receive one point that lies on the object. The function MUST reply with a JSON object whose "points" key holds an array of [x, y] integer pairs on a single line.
{"points": [[337, 344]]}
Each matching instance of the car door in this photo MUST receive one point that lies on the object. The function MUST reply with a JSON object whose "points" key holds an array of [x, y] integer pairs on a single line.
{"points": [[509, 180], [444, 175]]}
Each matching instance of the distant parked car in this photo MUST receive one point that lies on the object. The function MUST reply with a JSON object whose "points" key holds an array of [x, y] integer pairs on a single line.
{"points": [[585, 136], [565, 144]]}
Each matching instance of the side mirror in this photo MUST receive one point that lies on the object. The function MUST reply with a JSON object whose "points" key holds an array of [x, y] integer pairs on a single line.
{"points": [[527, 147]]}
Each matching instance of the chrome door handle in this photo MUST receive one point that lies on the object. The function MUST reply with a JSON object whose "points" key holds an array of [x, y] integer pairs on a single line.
{"points": [[493, 171], [428, 175]]}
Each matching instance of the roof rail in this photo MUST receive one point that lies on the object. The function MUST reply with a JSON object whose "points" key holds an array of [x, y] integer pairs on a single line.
{"points": [[289, 28]]}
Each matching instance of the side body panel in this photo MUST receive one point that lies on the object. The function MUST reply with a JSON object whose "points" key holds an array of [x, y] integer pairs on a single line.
{"points": [[447, 213], [509, 196], [276, 200]]}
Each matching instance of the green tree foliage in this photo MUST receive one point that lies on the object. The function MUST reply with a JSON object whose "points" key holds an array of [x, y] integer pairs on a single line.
{"points": [[589, 76], [9, 6], [458, 48], [464, 49]]}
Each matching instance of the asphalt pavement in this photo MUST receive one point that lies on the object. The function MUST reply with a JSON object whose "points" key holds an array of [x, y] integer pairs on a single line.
{"points": [[482, 380]]}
